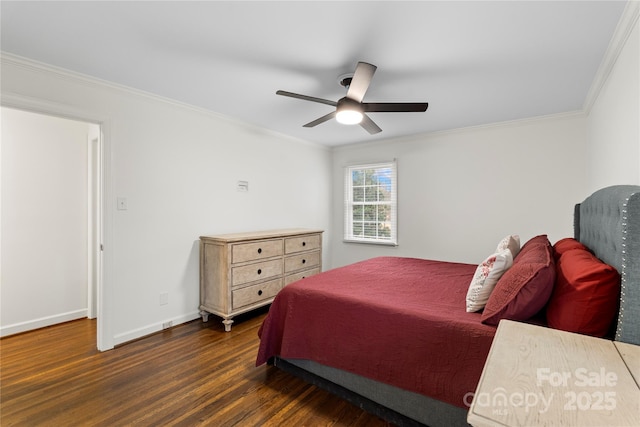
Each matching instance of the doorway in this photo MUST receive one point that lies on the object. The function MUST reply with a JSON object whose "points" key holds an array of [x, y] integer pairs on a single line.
{"points": [[51, 219]]}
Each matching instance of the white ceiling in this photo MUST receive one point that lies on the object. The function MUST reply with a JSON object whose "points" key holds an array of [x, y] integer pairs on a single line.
{"points": [[475, 62]]}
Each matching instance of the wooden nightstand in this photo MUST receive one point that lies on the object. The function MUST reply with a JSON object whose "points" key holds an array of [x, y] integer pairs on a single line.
{"points": [[538, 376]]}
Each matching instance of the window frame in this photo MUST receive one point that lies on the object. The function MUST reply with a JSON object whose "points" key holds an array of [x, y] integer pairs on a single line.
{"points": [[349, 203]]}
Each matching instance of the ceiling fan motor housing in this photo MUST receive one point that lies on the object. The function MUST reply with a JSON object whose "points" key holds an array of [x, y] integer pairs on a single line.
{"points": [[348, 104]]}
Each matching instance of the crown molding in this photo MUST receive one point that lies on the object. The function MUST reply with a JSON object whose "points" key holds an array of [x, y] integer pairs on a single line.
{"points": [[31, 65], [507, 124], [625, 26]]}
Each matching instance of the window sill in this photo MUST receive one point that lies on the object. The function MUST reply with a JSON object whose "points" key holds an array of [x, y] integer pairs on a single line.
{"points": [[371, 242]]}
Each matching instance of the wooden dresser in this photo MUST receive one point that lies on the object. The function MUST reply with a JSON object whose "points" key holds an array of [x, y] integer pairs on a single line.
{"points": [[243, 271]]}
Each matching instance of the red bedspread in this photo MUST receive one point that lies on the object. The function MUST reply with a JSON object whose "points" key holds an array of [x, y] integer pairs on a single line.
{"points": [[401, 321]]}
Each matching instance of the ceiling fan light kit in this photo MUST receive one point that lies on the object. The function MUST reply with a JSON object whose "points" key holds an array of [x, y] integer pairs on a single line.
{"points": [[351, 110], [349, 117]]}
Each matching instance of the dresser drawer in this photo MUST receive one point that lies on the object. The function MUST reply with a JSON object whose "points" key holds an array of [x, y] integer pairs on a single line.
{"points": [[257, 271], [256, 250], [255, 293], [298, 262], [301, 243], [290, 278]]}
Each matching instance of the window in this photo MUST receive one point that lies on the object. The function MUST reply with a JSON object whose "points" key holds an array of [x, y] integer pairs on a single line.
{"points": [[370, 204]]}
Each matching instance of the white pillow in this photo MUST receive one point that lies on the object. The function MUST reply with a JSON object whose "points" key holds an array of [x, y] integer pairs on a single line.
{"points": [[485, 279], [511, 242]]}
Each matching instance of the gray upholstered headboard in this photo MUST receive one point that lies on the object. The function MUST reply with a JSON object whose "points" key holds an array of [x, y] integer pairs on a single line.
{"points": [[608, 222]]}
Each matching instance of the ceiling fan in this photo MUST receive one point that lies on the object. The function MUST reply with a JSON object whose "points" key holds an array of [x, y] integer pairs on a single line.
{"points": [[351, 109]]}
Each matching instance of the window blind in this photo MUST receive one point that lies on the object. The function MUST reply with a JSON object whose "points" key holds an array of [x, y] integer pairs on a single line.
{"points": [[370, 205]]}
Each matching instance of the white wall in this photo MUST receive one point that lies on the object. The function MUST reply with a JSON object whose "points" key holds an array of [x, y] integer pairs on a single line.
{"points": [[460, 192], [178, 169], [613, 143], [44, 221]]}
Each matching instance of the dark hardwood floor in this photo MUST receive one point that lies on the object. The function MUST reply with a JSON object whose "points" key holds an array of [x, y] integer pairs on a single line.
{"points": [[192, 374]]}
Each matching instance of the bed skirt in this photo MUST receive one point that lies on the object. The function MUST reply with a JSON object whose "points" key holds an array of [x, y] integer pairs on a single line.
{"points": [[395, 405]]}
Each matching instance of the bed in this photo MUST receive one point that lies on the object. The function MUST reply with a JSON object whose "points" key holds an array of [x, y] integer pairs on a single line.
{"points": [[395, 336]]}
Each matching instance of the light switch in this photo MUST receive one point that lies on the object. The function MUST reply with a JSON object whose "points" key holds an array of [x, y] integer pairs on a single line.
{"points": [[122, 203]]}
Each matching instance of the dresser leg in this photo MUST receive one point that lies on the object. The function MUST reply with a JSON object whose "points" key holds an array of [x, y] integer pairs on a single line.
{"points": [[227, 324], [205, 316]]}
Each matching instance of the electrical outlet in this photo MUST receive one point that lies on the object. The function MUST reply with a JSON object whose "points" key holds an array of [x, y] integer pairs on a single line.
{"points": [[167, 325], [164, 298]]}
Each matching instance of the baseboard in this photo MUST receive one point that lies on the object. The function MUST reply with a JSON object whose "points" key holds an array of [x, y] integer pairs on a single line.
{"points": [[41, 322], [153, 328]]}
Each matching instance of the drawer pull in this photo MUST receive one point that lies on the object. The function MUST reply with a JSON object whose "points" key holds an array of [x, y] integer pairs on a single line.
{"points": [[304, 260], [259, 271], [304, 243], [259, 250], [260, 292]]}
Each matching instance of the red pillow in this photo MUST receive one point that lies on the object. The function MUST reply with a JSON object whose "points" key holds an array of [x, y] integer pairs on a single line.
{"points": [[534, 241], [524, 289], [586, 295], [565, 245]]}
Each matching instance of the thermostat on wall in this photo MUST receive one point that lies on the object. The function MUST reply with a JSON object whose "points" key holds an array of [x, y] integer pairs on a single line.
{"points": [[243, 186]]}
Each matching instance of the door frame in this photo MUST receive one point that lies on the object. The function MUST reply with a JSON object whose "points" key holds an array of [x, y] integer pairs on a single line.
{"points": [[103, 216], [94, 237]]}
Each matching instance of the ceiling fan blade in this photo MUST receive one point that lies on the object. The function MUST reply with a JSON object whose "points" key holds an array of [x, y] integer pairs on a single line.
{"points": [[307, 98], [322, 119], [394, 107], [369, 125], [360, 81]]}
